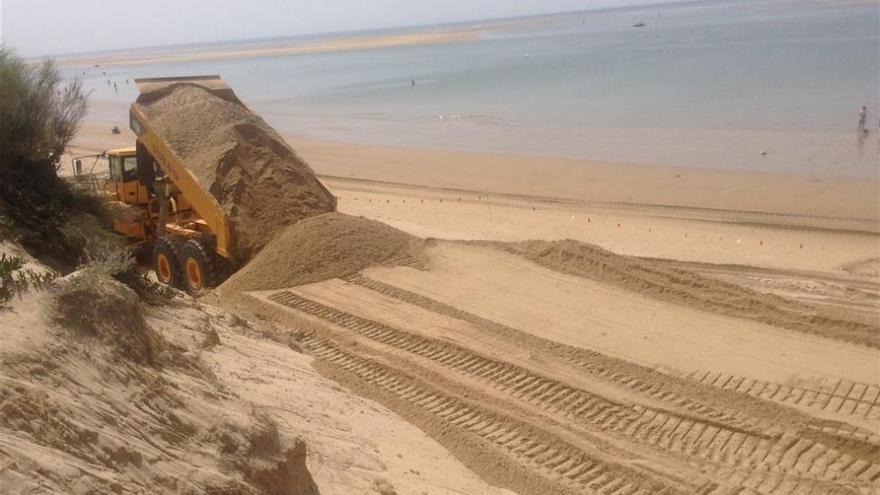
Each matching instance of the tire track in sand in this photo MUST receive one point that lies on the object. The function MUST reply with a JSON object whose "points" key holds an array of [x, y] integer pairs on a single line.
{"points": [[555, 460], [711, 441], [841, 396], [632, 376]]}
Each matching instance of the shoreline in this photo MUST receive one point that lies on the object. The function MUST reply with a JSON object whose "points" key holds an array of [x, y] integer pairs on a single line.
{"points": [[812, 201], [335, 44], [599, 182]]}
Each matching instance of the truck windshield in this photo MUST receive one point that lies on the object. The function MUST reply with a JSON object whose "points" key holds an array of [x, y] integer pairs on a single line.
{"points": [[129, 168], [115, 169]]}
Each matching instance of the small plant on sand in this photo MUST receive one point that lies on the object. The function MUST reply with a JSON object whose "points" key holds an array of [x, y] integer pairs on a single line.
{"points": [[92, 304], [102, 250], [15, 279]]}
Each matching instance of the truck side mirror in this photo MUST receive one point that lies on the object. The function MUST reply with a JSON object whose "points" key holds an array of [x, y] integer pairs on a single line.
{"points": [[77, 167]]}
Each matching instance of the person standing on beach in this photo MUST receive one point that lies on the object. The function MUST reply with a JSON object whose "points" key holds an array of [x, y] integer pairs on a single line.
{"points": [[863, 117]]}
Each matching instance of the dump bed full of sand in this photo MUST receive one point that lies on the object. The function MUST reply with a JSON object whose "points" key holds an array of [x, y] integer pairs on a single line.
{"points": [[257, 179]]}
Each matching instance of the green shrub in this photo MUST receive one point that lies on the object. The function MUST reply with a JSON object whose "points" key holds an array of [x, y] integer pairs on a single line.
{"points": [[101, 248], [39, 116], [15, 279]]}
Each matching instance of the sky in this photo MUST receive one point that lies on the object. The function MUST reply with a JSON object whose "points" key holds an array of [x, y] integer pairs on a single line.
{"points": [[55, 27]]}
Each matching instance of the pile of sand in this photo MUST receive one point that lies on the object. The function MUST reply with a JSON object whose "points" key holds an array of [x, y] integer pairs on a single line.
{"points": [[322, 247], [257, 179], [692, 289]]}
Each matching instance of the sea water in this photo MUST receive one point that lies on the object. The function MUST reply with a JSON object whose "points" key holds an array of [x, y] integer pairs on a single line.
{"points": [[763, 85]]}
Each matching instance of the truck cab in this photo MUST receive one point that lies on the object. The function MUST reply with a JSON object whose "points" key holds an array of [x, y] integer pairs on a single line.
{"points": [[124, 184], [152, 212], [131, 197]]}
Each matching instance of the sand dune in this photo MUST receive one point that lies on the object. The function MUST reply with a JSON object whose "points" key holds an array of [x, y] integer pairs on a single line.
{"points": [[227, 406]]}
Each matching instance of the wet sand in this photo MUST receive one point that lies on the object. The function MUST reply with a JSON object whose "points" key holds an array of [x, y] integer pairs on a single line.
{"points": [[347, 43]]}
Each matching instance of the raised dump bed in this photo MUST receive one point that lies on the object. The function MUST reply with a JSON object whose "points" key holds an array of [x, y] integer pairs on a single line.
{"points": [[238, 174]]}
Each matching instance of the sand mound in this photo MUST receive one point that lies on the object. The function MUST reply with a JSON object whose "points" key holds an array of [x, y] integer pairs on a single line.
{"points": [[866, 268], [83, 408], [691, 289], [319, 248], [257, 179], [101, 307], [273, 464]]}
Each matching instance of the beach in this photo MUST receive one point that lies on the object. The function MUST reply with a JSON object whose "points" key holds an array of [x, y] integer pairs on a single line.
{"points": [[724, 86], [697, 215], [559, 263]]}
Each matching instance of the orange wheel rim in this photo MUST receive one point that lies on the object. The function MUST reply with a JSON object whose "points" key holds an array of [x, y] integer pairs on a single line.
{"points": [[194, 272], [164, 268]]}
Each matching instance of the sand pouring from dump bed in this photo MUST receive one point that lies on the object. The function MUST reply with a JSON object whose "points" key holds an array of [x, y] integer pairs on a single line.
{"points": [[257, 179], [319, 248]]}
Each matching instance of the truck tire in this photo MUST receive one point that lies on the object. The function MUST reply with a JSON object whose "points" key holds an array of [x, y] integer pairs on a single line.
{"points": [[166, 263], [199, 272]]}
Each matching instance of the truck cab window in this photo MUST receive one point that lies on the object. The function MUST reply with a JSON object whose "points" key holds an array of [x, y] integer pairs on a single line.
{"points": [[115, 169], [129, 166]]}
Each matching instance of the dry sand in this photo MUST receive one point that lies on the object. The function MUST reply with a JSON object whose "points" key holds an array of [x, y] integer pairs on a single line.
{"points": [[321, 247], [557, 340], [636, 325], [100, 402], [691, 234], [736, 354], [230, 406], [257, 179], [546, 383], [687, 288]]}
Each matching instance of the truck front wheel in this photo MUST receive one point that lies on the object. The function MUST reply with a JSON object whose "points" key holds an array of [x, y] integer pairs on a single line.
{"points": [[165, 263], [198, 267]]}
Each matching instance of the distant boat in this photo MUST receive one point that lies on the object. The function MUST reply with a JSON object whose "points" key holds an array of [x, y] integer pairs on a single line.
{"points": [[639, 24]]}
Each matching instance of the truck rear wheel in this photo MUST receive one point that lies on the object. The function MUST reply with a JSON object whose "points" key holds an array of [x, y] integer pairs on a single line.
{"points": [[166, 263], [198, 267]]}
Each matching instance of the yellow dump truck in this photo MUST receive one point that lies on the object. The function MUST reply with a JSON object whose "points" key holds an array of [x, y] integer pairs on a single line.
{"points": [[186, 251], [168, 211]]}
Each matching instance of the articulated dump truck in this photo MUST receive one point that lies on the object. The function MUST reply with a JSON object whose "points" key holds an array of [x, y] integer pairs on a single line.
{"points": [[208, 182]]}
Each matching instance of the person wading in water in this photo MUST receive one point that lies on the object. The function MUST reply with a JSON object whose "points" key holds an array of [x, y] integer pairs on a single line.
{"points": [[863, 117]]}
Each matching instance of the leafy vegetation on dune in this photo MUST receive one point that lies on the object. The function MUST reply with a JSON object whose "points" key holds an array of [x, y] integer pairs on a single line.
{"points": [[39, 116], [16, 279], [63, 227]]}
